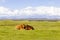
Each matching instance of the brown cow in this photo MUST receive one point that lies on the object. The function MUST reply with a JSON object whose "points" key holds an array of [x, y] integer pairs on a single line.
{"points": [[28, 27], [23, 26], [19, 27]]}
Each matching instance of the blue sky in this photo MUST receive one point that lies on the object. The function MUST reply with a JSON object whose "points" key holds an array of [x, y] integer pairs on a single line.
{"points": [[29, 8], [16, 4]]}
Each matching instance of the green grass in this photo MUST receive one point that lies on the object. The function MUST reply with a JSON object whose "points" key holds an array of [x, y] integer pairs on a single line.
{"points": [[43, 30]]}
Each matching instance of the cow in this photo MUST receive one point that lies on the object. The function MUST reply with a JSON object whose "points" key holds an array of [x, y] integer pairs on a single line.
{"points": [[25, 27], [20, 26], [28, 27]]}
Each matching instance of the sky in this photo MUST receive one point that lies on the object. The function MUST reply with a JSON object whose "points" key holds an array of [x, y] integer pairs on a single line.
{"points": [[29, 8]]}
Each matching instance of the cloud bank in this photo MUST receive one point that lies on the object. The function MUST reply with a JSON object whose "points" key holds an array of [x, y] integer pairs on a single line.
{"points": [[30, 11]]}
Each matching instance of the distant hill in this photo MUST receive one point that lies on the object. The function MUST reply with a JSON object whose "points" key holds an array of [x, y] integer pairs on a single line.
{"points": [[31, 17]]}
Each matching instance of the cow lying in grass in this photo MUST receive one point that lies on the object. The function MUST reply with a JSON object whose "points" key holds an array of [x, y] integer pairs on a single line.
{"points": [[23, 26], [28, 27], [20, 27]]}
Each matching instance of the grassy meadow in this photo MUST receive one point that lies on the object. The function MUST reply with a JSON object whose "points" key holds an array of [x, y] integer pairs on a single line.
{"points": [[44, 30]]}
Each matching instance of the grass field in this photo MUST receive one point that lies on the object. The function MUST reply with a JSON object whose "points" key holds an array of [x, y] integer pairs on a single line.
{"points": [[44, 30]]}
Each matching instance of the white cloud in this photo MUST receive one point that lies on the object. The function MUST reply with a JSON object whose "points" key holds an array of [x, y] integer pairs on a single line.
{"points": [[41, 10], [7, 11]]}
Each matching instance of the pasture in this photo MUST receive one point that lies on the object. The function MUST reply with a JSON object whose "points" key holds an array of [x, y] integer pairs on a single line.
{"points": [[44, 30]]}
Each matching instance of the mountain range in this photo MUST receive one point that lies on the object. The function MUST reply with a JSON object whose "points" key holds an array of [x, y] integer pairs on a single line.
{"points": [[35, 17]]}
